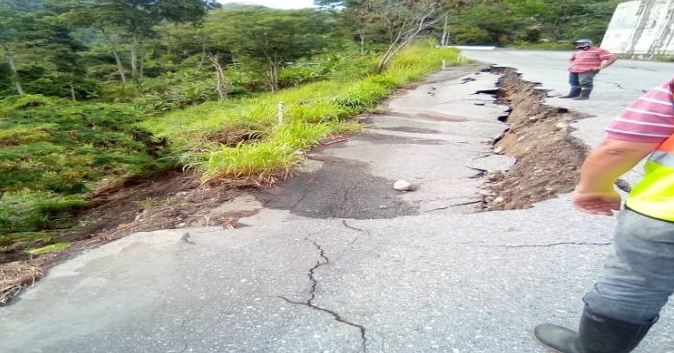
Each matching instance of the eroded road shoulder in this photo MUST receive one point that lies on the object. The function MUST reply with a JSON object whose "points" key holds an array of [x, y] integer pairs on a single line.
{"points": [[437, 136], [335, 260]]}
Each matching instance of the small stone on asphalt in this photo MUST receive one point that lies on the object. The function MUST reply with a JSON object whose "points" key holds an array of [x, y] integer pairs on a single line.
{"points": [[403, 185]]}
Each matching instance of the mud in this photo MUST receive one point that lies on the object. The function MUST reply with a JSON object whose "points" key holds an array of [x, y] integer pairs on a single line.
{"points": [[172, 200], [548, 158]]}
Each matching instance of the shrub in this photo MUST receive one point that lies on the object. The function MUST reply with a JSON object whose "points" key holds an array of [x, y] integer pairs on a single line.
{"points": [[50, 158], [28, 211]]}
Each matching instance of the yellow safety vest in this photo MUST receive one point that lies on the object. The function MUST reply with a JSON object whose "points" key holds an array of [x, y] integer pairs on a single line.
{"points": [[654, 194]]}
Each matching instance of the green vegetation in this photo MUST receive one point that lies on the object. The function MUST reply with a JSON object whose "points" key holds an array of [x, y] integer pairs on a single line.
{"points": [[93, 92], [534, 24], [53, 151], [313, 112], [664, 58], [49, 249], [567, 46], [490, 22]]}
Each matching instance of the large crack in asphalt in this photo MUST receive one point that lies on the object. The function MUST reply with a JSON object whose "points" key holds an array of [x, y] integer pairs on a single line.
{"points": [[530, 246], [182, 329], [547, 157], [460, 204], [346, 224], [563, 243], [309, 303]]}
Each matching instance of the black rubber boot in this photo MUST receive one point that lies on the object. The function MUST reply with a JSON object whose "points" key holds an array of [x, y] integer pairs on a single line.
{"points": [[575, 92], [597, 334], [584, 95]]}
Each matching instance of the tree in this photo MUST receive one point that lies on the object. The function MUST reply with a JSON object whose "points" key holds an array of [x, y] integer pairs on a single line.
{"points": [[393, 22], [9, 37], [41, 41], [562, 20], [270, 36], [493, 24], [23, 5], [527, 21], [452, 8], [135, 19], [405, 20], [359, 17], [113, 38], [46, 37], [222, 84], [586, 19]]}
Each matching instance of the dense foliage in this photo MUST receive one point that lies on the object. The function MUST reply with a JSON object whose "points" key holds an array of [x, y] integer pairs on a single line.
{"points": [[499, 22], [95, 91], [52, 152], [82, 49], [526, 22]]}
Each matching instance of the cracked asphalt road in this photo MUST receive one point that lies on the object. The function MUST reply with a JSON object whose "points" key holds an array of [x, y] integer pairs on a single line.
{"points": [[298, 279], [309, 303]]}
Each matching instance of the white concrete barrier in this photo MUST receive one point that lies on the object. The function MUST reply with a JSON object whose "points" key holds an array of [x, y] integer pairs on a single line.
{"points": [[642, 28]]}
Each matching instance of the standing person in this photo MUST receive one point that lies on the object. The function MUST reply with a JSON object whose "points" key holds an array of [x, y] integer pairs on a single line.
{"points": [[638, 276], [584, 64]]}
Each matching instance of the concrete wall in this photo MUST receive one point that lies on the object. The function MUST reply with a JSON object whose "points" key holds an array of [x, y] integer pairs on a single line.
{"points": [[642, 28]]}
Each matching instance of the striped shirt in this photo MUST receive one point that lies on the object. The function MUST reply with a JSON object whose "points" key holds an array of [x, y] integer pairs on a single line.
{"points": [[589, 60], [648, 119]]}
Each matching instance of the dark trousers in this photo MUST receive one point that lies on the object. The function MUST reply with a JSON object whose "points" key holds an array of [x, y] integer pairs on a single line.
{"points": [[584, 80]]}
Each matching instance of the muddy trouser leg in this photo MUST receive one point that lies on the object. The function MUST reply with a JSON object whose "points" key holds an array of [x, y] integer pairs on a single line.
{"points": [[638, 275], [586, 80]]}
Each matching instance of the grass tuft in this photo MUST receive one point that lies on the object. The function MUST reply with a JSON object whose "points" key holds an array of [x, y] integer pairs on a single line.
{"points": [[312, 112], [49, 249]]}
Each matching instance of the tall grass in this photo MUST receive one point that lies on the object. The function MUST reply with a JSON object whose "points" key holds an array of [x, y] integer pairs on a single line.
{"points": [[53, 152], [313, 112]]}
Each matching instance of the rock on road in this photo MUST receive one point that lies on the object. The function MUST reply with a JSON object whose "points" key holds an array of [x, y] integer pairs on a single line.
{"points": [[338, 261]]}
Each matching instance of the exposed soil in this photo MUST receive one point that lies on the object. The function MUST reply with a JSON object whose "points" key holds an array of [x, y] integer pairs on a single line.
{"points": [[548, 158], [172, 200], [548, 163]]}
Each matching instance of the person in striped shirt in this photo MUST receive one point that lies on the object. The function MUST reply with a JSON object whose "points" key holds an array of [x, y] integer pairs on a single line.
{"points": [[584, 64], [638, 276]]}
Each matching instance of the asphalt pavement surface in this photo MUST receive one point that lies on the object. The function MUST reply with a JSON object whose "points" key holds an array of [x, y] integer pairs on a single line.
{"points": [[336, 261]]}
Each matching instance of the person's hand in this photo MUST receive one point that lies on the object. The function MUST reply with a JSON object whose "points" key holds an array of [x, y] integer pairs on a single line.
{"points": [[597, 203]]}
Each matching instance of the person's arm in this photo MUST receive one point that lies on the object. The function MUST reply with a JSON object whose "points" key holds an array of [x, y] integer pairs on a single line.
{"points": [[595, 192], [639, 130], [606, 63], [607, 59]]}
